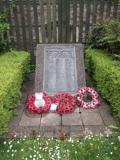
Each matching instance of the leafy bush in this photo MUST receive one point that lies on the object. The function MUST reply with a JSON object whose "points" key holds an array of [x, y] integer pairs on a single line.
{"points": [[106, 76], [4, 27], [106, 34], [13, 66]]}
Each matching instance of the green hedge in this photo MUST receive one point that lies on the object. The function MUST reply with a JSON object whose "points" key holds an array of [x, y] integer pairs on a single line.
{"points": [[13, 66], [105, 73]]}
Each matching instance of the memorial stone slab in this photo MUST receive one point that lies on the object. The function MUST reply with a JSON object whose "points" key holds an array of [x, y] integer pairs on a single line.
{"points": [[59, 68]]}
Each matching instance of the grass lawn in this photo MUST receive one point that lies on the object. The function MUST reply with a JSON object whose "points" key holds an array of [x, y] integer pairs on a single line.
{"points": [[88, 148]]}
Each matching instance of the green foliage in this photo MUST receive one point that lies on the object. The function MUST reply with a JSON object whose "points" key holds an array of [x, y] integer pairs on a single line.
{"points": [[105, 73], [106, 34], [4, 27], [88, 148], [13, 66]]}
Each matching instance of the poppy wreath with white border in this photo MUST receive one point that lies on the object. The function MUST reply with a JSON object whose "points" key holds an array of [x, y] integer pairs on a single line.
{"points": [[38, 109], [87, 91], [65, 103]]}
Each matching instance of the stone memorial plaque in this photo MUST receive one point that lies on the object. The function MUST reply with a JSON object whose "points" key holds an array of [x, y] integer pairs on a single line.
{"points": [[59, 68]]}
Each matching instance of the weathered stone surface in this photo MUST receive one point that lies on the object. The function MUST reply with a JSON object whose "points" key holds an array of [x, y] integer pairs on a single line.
{"points": [[108, 120], [66, 130], [76, 131], [72, 119], [28, 121], [51, 120], [59, 68], [32, 115], [91, 118], [16, 119], [21, 131], [96, 129], [50, 131], [82, 110], [104, 111], [48, 134], [31, 131]]}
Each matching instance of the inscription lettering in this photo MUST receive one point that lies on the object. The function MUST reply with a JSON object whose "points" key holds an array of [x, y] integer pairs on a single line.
{"points": [[60, 52], [60, 69]]}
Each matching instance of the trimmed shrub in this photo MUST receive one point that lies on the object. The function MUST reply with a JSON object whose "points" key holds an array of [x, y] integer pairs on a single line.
{"points": [[13, 66], [105, 73]]}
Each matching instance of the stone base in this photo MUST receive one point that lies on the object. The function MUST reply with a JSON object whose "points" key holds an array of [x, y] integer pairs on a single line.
{"points": [[74, 124]]}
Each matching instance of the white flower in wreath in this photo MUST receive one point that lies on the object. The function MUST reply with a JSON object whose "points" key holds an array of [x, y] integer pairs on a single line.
{"points": [[39, 101]]}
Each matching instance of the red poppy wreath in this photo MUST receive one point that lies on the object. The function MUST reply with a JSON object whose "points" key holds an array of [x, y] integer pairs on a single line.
{"points": [[39, 103], [62, 103], [65, 103], [82, 92]]}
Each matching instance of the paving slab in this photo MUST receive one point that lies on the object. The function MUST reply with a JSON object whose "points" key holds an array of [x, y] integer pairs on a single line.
{"points": [[96, 110], [50, 119], [28, 121], [73, 119], [74, 131], [105, 113], [16, 119], [96, 129], [108, 120], [32, 115], [31, 131], [91, 119], [21, 131], [104, 107], [50, 131], [66, 130]]}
